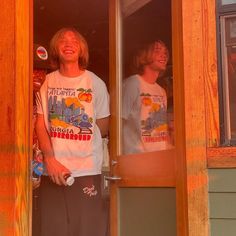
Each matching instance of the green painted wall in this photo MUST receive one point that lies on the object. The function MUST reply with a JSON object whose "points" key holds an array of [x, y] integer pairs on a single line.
{"points": [[147, 212], [222, 202]]}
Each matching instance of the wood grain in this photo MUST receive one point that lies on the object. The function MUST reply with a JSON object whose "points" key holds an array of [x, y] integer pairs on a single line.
{"points": [[197, 66], [114, 64], [23, 114], [7, 131], [210, 74], [221, 157], [179, 118], [15, 119]]}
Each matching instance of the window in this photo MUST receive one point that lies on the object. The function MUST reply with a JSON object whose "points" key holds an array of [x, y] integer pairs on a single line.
{"points": [[226, 6], [227, 2], [227, 67]]}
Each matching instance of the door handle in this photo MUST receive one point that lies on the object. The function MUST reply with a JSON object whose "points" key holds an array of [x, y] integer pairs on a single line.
{"points": [[114, 162], [112, 178]]}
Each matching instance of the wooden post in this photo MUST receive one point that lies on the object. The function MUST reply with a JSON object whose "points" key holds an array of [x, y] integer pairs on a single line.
{"points": [[15, 110], [196, 68]]}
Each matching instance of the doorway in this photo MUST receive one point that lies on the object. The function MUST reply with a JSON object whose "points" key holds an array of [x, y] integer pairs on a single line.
{"points": [[141, 21], [49, 17]]}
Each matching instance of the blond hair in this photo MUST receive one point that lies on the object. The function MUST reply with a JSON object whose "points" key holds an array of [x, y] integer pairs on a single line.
{"points": [[83, 48], [143, 57]]}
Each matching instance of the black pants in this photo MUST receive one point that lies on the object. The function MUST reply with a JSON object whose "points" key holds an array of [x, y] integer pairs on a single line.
{"points": [[77, 210]]}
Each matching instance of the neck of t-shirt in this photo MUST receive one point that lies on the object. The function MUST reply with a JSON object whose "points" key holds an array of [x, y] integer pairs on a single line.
{"points": [[70, 70], [150, 77]]}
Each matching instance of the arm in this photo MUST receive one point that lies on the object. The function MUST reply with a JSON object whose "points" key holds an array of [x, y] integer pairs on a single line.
{"points": [[102, 110], [130, 96], [103, 125], [55, 169]]}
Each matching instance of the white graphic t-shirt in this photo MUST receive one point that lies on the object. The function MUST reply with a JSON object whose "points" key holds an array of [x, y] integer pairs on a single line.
{"points": [[72, 106], [144, 113]]}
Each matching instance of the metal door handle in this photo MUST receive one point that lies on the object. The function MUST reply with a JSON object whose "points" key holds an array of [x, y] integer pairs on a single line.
{"points": [[112, 178], [114, 162]]}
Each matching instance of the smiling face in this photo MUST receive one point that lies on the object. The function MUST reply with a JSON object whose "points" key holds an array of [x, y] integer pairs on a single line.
{"points": [[160, 57], [68, 47], [151, 56]]}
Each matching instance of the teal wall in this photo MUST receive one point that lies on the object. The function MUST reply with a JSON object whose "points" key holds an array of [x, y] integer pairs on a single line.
{"points": [[222, 202], [147, 212]]}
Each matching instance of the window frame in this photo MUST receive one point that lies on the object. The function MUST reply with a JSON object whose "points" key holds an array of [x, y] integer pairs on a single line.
{"points": [[218, 155], [225, 121]]}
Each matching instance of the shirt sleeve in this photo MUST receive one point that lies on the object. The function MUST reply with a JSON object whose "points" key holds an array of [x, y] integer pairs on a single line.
{"points": [[102, 100], [39, 103], [130, 95], [39, 98]]}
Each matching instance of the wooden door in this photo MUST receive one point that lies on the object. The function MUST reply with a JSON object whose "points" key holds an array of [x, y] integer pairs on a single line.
{"points": [[142, 185], [183, 168]]}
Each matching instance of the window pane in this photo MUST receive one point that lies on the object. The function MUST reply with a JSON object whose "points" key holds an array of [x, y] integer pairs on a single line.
{"points": [[231, 50], [230, 30], [147, 96], [227, 2], [228, 44]]}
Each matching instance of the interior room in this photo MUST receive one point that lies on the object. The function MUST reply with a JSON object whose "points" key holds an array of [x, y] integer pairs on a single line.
{"points": [[142, 21]]}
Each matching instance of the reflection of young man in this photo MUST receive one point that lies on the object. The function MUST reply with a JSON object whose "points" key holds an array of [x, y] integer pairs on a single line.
{"points": [[144, 109], [73, 113]]}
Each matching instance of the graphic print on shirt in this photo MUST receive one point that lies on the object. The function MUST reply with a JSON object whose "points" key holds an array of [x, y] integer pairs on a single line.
{"points": [[154, 118], [68, 113]]}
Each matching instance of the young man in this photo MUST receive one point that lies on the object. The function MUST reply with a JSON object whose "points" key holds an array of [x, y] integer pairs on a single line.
{"points": [[73, 116], [144, 103]]}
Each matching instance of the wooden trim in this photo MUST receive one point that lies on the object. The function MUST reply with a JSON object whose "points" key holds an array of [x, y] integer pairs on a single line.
{"points": [[211, 76], [30, 130], [114, 109], [221, 157], [15, 48], [191, 37], [113, 74], [23, 115], [179, 119], [7, 131]]}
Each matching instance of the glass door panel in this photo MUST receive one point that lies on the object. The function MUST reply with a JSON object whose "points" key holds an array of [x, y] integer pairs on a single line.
{"points": [[142, 179]]}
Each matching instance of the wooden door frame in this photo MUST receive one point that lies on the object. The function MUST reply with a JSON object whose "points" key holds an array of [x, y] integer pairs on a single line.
{"points": [[15, 136], [196, 70], [194, 56], [114, 66]]}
